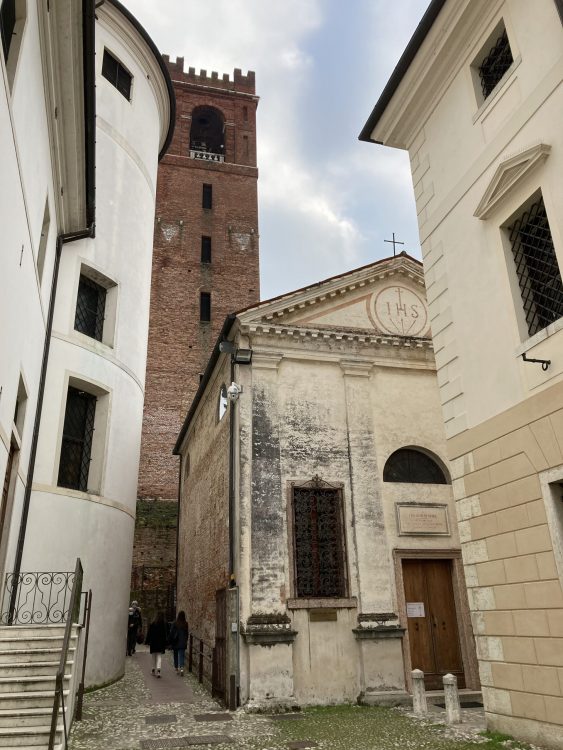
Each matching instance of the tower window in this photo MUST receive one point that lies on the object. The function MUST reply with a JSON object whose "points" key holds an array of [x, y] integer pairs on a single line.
{"points": [[90, 308], [116, 74], [206, 249], [76, 448], [207, 196], [205, 307], [408, 465], [207, 132], [497, 61], [538, 273]]}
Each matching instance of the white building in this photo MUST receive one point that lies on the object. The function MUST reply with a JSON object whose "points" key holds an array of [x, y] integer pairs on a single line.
{"points": [[86, 109], [477, 99], [323, 493]]}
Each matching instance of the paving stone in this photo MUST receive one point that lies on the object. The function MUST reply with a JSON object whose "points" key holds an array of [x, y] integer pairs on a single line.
{"points": [[213, 717]]}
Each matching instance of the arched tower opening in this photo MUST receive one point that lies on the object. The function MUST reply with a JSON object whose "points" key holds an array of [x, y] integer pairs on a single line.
{"points": [[207, 132]]}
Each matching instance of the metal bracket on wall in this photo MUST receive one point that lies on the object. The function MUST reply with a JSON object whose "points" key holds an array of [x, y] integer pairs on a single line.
{"points": [[543, 362]]}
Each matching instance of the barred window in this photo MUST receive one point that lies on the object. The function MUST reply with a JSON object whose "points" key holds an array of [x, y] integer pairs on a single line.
{"points": [[76, 448], [318, 542], [206, 249], [497, 61], [538, 273], [90, 308], [409, 465], [116, 74]]}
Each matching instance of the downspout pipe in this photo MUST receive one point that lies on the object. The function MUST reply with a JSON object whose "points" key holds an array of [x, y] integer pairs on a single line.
{"points": [[61, 240], [232, 576]]}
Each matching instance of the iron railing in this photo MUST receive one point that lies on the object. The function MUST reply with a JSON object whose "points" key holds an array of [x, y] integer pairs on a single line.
{"points": [[37, 598], [201, 659], [72, 618]]}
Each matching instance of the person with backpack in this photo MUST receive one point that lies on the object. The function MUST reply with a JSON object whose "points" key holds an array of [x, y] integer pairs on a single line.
{"points": [[179, 641]]}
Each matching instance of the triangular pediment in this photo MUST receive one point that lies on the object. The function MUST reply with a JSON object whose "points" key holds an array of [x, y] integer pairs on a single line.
{"points": [[385, 298], [510, 172]]}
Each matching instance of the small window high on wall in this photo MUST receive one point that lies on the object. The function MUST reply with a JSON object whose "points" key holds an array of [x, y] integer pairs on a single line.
{"points": [[90, 308], [492, 63], [13, 14], [76, 448], [117, 74], [412, 466]]}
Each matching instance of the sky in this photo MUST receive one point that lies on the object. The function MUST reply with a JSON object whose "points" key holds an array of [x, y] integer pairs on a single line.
{"points": [[326, 201]]}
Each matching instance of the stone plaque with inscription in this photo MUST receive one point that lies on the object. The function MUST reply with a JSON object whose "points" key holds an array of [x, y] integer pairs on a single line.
{"points": [[422, 519]]}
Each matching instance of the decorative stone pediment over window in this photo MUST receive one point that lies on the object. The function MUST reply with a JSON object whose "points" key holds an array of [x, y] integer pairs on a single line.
{"points": [[508, 174]]}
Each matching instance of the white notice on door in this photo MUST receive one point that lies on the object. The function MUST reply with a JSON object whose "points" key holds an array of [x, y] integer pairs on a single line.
{"points": [[415, 609]]}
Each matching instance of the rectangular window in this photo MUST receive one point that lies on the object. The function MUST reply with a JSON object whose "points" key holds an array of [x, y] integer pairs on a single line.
{"points": [[318, 542], [7, 24], [538, 273], [43, 241], [116, 74], [207, 196], [90, 308], [76, 448], [497, 60], [206, 249], [205, 307]]}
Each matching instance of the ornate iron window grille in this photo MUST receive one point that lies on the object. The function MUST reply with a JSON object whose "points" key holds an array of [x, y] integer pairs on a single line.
{"points": [[408, 465], [76, 448], [7, 24], [117, 75], [536, 267], [495, 65], [319, 543], [90, 308]]}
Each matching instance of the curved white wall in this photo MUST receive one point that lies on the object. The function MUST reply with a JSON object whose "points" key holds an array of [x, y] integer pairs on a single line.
{"points": [[65, 524]]}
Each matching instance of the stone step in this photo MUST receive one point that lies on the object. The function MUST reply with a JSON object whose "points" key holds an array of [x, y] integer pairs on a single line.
{"points": [[26, 684], [32, 642], [25, 717], [29, 699], [28, 736], [33, 655], [24, 631], [23, 670]]}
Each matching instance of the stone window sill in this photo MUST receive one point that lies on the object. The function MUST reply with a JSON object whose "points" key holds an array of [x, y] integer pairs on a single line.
{"points": [[540, 336], [323, 603]]}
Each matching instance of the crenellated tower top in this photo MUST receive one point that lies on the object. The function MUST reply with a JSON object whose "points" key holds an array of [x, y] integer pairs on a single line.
{"points": [[238, 82]]}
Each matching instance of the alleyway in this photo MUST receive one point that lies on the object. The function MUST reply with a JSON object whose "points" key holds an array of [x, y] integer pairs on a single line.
{"points": [[142, 712]]}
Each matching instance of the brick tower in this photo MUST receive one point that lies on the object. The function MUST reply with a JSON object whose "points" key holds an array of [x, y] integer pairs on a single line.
{"points": [[205, 266]]}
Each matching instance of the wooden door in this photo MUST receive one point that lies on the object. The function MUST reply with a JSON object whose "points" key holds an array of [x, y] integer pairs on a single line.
{"points": [[432, 621]]}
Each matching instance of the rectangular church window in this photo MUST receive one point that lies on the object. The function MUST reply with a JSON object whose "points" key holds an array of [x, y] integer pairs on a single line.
{"points": [[205, 307], [318, 542], [496, 60], [116, 74], [76, 448], [538, 273], [90, 308]]}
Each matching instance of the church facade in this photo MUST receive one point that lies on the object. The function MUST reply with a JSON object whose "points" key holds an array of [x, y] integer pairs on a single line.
{"points": [[317, 536], [477, 100]]}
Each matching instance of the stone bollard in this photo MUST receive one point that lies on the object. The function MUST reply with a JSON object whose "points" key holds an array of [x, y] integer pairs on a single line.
{"points": [[453, 709], [419, 704]]}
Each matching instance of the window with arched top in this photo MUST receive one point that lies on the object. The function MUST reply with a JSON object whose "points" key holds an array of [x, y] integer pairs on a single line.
{"points": [[412, 466], [223, 402], [207, 132]]}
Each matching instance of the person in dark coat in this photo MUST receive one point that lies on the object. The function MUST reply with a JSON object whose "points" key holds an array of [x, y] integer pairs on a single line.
{"points": [[131, 632], [179, 641], [156, 640]]}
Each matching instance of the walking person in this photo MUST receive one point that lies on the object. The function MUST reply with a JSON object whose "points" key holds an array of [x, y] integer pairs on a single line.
{"points": [[156, 640], [137, 624], [131, 632], [179, 641]]}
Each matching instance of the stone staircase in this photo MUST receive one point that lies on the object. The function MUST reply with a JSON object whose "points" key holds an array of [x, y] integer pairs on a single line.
{"points": [[29, 659]]}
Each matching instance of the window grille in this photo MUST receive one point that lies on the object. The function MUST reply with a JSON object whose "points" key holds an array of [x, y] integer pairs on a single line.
{"points": [[206, 249], [319, 544], [116, 74], [205, 307], [495, 65], [537, 269], [90, 308], [408, 465], [76, 447], [207, 196], [7, 24]]}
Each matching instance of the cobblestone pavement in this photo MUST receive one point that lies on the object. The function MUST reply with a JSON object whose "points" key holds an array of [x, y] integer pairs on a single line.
{"points": [[141, 712]]}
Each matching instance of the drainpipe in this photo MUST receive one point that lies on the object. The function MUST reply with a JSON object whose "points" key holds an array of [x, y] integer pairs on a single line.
{"points": [[232, 575], [61, 240]]}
